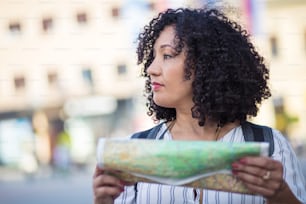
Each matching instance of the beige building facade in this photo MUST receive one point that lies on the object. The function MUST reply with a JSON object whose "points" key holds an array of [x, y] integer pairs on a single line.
{"points": [[55, 50], [59, 56], [285, 26]]}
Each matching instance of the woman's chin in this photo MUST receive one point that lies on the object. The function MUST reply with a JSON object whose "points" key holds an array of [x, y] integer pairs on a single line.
{"points": [[164, 105]]}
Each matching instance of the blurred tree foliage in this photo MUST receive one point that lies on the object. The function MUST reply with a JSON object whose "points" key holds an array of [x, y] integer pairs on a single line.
{"points": [[283, 120]]}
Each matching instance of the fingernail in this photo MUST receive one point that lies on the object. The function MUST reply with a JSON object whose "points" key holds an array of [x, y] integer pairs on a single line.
{"points": [[243, 161], [235, 165]]}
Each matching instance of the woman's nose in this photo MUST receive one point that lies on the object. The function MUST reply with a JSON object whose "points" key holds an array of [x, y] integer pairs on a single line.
{"points": [[154, 68]]}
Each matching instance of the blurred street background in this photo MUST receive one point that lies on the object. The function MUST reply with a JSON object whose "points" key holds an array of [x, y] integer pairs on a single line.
{"points": [[68, 75]]}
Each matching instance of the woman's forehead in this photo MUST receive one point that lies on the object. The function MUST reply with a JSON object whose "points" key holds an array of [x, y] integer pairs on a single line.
{"points": [[167, 36]]}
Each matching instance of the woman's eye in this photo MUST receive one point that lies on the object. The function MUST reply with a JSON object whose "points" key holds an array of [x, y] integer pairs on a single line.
{"points": [[167, 56]]}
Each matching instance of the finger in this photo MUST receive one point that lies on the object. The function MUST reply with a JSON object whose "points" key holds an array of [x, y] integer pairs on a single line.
{"points": [[237, 166], [250, 178], [262, 162], [106, 191], [265, 162], [256, 171], [107, 180], [98, 171], [266, 192], [257, 181]]}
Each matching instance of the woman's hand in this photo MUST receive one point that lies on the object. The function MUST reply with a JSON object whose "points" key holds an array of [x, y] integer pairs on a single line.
{"points": [[264, 176], [106, 188]]}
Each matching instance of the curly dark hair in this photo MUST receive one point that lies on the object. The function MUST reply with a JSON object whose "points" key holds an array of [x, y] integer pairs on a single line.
{"points": [[230, 77]]}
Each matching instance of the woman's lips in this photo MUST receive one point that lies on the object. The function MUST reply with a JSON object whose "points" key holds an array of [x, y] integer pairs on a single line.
{"points": [[156, 86]]}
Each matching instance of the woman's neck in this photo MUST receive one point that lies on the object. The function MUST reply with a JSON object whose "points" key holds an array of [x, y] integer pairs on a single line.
{"points": [[187, 128]]}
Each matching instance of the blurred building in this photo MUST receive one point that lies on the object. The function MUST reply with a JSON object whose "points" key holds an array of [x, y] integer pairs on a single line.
{"points": [[70, 65], [58, 50], [74, 62], [285, 42]]}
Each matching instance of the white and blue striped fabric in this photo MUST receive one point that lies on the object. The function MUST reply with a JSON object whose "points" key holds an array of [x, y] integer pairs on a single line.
{"points": [[148, 193]]}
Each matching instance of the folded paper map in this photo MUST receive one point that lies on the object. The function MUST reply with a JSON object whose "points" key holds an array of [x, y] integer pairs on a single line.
{"points": [[195, 164]]}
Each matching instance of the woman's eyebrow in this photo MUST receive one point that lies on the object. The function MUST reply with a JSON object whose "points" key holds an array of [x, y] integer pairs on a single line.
{"points": [[166, 45], [163, 46]]}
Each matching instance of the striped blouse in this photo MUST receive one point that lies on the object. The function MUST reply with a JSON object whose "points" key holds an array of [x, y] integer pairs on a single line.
{"points": [[149, 193]]}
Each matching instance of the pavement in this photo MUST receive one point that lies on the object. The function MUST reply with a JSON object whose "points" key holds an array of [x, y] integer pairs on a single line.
{"points": [[46, 188]]}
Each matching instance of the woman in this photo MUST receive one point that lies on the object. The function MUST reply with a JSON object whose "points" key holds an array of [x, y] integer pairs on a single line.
{"points": [[204, 78]]}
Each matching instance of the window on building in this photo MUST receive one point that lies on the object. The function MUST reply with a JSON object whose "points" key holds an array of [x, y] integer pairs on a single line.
{"points": [[151, 6], [15, 27], [47, 24], [121, 69], [115, 12], [52, 78], [19, 82], [274, 46], [81, 18], [87, 76]]}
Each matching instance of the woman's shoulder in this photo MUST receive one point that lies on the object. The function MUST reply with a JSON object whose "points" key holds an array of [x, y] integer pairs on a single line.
{"points": [[279, 137], [282, 145]]}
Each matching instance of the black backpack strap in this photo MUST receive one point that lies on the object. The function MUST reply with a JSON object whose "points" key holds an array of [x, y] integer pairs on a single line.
{"points": [[258, 133], [148, 134]]}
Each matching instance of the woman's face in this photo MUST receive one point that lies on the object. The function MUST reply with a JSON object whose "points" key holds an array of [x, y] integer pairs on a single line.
{"points": [[166, 72]]}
